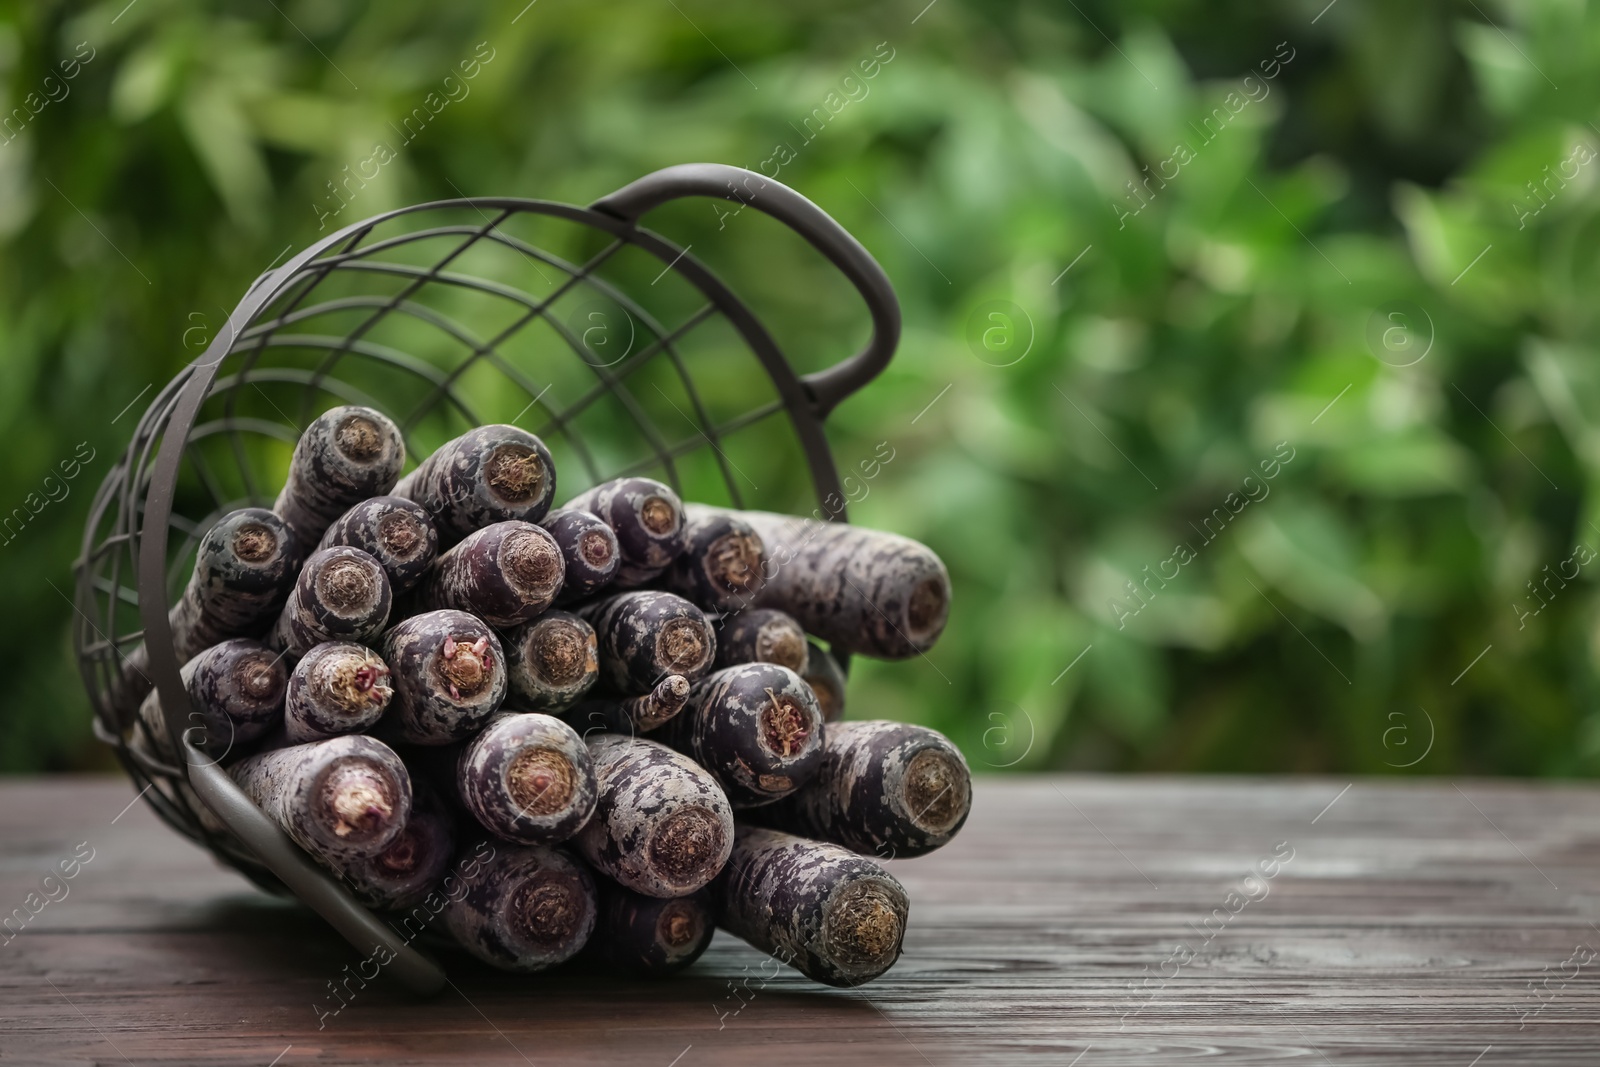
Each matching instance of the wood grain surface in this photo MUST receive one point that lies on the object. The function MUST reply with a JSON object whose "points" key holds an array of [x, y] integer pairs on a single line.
{"points": [[1079, 921]]}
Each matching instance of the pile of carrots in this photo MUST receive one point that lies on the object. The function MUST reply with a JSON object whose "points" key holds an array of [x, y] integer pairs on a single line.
{"points": [[602, 730]]}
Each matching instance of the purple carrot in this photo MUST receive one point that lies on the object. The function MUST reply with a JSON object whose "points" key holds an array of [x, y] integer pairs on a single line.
{"points": [[487, 475], [338, 799], [505, 573], [761, 635], [590, 549], [721, 568], [448, 676], [338, 687], [757, 727], [393, 530], [528, 907], [406, 871], [647, 518], [528, 778], [346, 455], [553, 662], [631, 715], [243, 570], [888, 789], [826, 679], [834, 916], [342, 594], [661, 826], [235, 692], [650, 935], [645, 635], [860, 590]]}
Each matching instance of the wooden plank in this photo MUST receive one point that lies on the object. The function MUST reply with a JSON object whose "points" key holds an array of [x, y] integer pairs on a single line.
{"points": [[1077, 920]]}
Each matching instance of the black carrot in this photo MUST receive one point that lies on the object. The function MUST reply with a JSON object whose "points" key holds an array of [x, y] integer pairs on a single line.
{"points": [[650, 935], [527, 777], [647, 518], [448, 676], [860, 590], [756, 727], [489, 474], [244, 567], [631, 715], [346, 455], [338, 687], [505, 573], [662, 826], [761, 635], [888, 789], [338, 799], [393, 530], [342, 594], [401, 875], [236, 693], [554, 661], [834, 916], [721, 565], [243, 571], [590, 548], [646, 635], [527, 908]]}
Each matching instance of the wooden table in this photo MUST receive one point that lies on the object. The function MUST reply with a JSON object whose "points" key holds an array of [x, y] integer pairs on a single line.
{"points": [[1077, 921]]}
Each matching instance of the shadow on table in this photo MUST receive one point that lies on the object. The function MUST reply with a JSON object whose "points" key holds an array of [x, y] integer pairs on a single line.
{"points": [[281, 941]]}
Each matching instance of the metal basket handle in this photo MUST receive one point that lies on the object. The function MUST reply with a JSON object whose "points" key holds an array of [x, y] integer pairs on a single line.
{"points": [[827, 387]]}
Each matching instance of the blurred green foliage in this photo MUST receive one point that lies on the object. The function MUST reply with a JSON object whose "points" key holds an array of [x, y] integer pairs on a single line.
{"points": [[1372, 261]]}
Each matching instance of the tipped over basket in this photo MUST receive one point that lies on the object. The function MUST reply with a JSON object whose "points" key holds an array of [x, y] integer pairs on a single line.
{"points": [[617, 347]]}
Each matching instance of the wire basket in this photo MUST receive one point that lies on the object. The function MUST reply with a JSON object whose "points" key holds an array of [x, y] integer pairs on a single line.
{"points": [[618, 351]]}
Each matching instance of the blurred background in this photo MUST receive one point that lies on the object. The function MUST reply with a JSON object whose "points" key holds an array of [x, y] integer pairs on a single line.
{"points": [[1247, 387]]}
